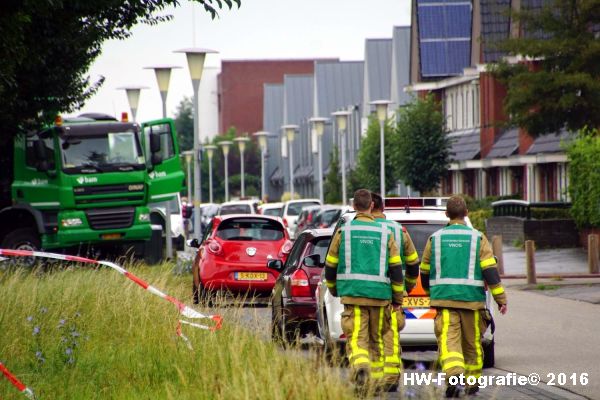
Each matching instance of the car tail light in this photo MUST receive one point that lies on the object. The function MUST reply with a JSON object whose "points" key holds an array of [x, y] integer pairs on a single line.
{"points": [[309, 218], [299, 285], [285, 223], [215, 248], [286, 248]]}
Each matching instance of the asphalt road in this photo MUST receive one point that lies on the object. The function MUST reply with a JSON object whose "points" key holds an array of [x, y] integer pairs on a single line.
{"points": [[528, 341]]}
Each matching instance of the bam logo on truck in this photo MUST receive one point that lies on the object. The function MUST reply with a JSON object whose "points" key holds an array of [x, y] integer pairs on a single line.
{"points": [[159, 174], [84, 179]]}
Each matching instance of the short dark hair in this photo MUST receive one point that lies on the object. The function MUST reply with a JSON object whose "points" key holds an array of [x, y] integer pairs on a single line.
{"points": [[377, 201], [362, 200], [456, 207]]}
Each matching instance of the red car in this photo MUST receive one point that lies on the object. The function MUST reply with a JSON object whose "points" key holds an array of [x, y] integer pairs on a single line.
{"points": [[233, 255]]}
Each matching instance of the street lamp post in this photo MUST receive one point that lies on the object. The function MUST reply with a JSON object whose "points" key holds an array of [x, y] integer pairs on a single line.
{"points": [[341, 121], [210, 151], [319, 126], [290, 131], [241, 141], [163, 76], [133, 98], [262, 143], [189, 155], [381, 107], [225, 145], [195, 58]]}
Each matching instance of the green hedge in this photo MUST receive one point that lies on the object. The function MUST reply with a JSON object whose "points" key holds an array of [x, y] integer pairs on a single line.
{"points": [[584, 175], [478, 218]]}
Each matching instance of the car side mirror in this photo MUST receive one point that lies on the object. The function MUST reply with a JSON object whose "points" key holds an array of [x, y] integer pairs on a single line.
{"points": [[314, 260], [193, 243], [277, 265]]}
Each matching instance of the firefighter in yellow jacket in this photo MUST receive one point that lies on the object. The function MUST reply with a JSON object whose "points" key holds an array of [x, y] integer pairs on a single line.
{"points": [[457, 264], [364, 268]]}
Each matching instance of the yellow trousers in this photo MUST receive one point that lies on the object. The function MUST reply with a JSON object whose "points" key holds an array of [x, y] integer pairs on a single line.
{"points": [[458, 333], [373, 341]]}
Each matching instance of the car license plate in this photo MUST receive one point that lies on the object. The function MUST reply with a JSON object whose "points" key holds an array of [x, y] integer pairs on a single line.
{"points": [[415, 302], [251, 276]]}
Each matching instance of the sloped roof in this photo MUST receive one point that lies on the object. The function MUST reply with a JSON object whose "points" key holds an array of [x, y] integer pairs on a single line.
{"points": [[495, 27], [338, 84], [401, 64], [465, 146], [550, 143], [378, 61], [506, 145]]}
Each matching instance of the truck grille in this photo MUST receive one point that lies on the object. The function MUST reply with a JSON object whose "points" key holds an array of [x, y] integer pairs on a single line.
{"points": [[109, 189], [111, 218]]}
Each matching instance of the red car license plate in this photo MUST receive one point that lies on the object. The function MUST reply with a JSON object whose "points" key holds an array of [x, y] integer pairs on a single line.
{"points": [[250, 276]]}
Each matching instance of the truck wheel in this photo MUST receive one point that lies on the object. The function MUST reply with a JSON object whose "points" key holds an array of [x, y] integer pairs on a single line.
{"points": [[23, 239]]}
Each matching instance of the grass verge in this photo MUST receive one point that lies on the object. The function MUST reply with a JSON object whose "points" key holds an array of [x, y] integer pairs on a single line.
{"points": [[79, 333]]}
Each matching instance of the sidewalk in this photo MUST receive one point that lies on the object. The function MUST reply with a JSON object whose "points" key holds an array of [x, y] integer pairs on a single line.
{"points": [[547, 261]]}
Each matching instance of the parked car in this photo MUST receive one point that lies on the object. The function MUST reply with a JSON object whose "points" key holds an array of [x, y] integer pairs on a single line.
{"points": [[420, 221], [207, 211], [328, 216], [291, 211], [293, 303], [275, 209], [158, 217], [233, 255], [306, 218], [239, 207]]}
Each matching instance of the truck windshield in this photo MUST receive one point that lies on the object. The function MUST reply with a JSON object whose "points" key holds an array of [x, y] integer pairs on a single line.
{"points": [[113, 151]]}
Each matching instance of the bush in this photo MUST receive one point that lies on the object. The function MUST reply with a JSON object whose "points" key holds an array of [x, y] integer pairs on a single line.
{"points": [[478, 218], [551, 213], [286, 196], [584, 175]]}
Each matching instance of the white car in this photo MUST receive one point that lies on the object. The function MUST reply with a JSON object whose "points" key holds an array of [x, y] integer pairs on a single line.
{"points": [[274, 209], [239, 207], [158, 216], [291, 211], [420, 222]]}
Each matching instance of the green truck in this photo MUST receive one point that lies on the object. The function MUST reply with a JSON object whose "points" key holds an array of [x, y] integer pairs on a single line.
{"points": [[87, 181]]}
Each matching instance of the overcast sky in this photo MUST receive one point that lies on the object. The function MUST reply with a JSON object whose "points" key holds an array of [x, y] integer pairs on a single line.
{"points": [[260, 29]]}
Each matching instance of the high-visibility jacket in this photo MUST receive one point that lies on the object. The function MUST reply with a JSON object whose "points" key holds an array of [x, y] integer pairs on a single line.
{"points": [[396, 229], [455, 265], [362, 270]]}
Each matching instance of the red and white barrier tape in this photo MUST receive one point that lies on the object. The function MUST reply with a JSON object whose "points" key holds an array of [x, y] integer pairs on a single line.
{"points": [[16, 382], [183, 309]]}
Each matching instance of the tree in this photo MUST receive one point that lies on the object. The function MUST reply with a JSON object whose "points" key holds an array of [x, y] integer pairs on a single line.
{"points": [[369, 156], [184, 124], [48, 46], [332, 187], [561, 88], [584, 178], [423, 152]]}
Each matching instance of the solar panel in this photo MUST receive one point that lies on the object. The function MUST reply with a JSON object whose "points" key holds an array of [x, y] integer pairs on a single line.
{"points": [[444, 36]]}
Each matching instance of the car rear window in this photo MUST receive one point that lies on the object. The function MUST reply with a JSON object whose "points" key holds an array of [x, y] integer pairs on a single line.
{"points": [[235, 209], [249, 229], [420, 233], [296, 208], [318, 246], [330, 217], [273, 211]]}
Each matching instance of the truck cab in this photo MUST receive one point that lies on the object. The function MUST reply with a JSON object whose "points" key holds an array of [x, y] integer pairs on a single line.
{"points": [[87, 180]]}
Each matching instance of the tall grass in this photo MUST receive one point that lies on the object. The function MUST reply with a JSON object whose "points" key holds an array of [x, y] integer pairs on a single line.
{"points": [[80, 333]]}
